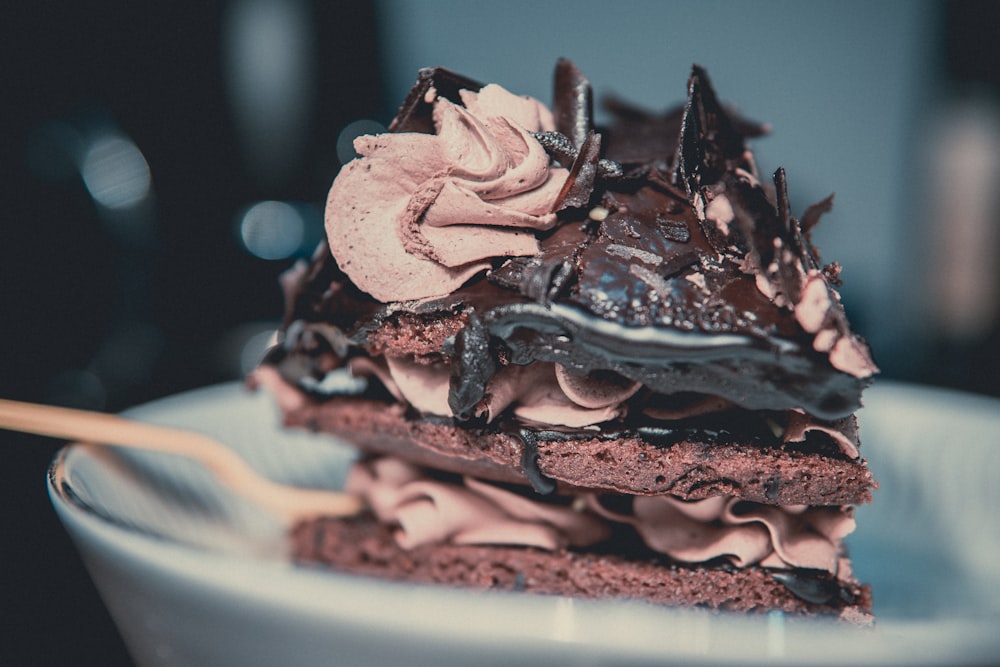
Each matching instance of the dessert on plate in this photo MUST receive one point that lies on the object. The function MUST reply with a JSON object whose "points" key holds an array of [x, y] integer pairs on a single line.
{"points": [[579, 360]]}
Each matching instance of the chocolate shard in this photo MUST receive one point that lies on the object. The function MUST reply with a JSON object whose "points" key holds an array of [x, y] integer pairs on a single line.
{"points": [[579, 185], [711, 142], [813, 214], [512, 273], [709, 149], [559, 146], [416, 112], [795, 232], [638, 137], [673, 230], [573, 103], [813, 586], [785, 230]]}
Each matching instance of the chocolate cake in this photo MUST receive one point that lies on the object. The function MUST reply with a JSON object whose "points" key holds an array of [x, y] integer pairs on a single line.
{"points": [[579, 360]]}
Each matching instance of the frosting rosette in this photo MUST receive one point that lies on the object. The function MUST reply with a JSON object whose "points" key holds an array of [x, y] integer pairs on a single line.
{"points": [[416, 215]]}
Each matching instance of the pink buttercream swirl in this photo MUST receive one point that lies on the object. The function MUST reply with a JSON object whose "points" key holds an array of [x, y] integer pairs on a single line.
{"points": [[419, 214], [744, 532], [426, 511]]}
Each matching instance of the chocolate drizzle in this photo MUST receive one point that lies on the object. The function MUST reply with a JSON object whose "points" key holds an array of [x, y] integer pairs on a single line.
{"points": [[473, 364], [529, 463]]}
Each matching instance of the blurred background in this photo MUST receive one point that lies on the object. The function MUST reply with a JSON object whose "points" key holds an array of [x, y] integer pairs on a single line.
{"points": [[162, 163]]}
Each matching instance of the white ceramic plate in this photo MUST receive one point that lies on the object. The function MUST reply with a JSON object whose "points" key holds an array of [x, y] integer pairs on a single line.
{"points": [[194, 576]]}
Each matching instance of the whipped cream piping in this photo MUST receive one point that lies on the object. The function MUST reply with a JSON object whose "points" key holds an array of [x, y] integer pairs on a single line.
{"points": [[746, 533], [430, 511], [418, 214], [799, 424]]}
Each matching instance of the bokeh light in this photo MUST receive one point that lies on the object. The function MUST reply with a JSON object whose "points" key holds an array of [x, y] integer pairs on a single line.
{"points": [[272, 229], [241, 349], [269, 56], [115, 172], [254, 346]]}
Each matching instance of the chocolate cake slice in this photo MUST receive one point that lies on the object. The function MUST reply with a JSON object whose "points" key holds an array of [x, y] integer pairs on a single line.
{"points": [[577, 360]]}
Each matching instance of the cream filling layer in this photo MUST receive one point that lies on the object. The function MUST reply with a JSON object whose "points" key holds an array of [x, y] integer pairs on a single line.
{"points": [[550, 394], [427, 511]]}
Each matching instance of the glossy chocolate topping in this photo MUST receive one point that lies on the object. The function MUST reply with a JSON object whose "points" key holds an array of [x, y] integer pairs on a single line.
{"points": [[672, 265]]}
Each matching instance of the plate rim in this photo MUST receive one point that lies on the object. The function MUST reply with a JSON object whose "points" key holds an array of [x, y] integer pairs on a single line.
{"points": [[888, 642]]}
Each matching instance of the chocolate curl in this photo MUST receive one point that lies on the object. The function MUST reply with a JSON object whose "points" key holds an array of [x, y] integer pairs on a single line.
{"points": [[797, 234], [573, 103], [710, 140]]}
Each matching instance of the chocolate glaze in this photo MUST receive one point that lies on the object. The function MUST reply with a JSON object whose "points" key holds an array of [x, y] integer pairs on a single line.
{"points": [[472, 358]]}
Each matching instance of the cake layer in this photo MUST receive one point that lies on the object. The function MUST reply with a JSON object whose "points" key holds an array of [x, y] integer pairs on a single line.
{"points": [[625, 462], [362, 546]]}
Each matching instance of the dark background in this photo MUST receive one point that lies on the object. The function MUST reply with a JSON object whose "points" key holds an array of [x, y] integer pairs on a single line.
{"points": [[98, 317], [170, 302]]}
